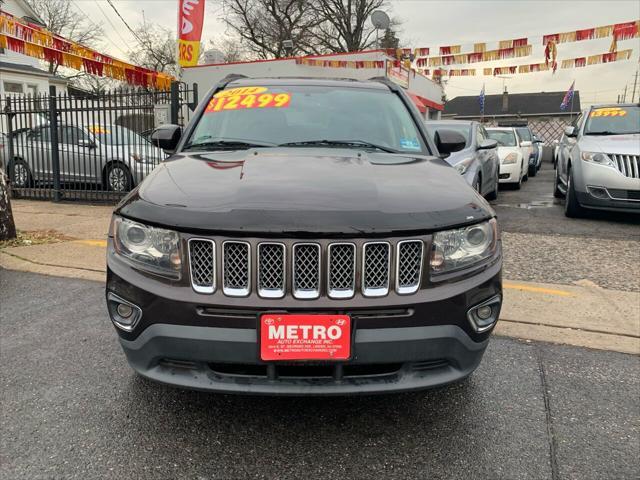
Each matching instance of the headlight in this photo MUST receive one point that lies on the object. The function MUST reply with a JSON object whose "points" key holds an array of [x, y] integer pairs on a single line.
{"points": [[510, 159], [463, 166], [597, 158], [463, 247], [153, 249]]}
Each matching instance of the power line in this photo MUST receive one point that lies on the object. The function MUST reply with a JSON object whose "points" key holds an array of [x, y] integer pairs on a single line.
{"points": [[125, 22], [110, 23], [115, 44]]}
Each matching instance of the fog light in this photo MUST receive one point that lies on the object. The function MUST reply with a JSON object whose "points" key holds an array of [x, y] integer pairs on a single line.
{"points": [[124, 314], [598, 192], [484, 312], [483, 317], [124, 310]]}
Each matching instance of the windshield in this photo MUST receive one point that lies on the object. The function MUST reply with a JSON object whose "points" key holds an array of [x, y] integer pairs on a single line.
{"points": [[505, 138], [524, 134], [464, 130], [116, 135], [613, 121], [306, 116]]}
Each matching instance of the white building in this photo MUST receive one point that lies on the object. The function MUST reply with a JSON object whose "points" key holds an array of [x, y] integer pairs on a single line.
{"points": [[426, 94], [21, 74]]}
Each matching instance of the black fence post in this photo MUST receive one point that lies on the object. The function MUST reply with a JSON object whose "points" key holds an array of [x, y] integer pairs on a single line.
{"points": [[9, 160], [175, 102], [55, 156]]}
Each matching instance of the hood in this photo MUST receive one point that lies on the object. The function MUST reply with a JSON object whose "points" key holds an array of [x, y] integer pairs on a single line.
{"points": [[619, 144], [304, 190]]}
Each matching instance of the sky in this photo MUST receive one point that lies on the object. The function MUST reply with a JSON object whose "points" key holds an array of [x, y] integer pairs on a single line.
{"points": [[432, 23]]}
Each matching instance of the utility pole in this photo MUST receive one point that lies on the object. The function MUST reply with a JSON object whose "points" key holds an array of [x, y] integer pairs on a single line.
{"points": [[635, 81], [624, 96]]}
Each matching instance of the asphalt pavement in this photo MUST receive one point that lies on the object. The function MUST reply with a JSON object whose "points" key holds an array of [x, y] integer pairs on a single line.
{"points": [[542, 245], [72, 408]]}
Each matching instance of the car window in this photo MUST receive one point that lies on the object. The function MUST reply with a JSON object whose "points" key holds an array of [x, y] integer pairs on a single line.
{"points": [[524, 134], [613, 121], [116, 135], [299, 113], [505, 138], [463, 129], [71, 135]]}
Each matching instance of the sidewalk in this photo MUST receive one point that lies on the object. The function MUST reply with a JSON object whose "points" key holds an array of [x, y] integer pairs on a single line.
{"points": [[581, 315]]}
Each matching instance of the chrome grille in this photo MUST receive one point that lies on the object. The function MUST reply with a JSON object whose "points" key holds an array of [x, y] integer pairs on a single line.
{"points": [[342, 270], [271, 270], [346, 265], [628, 165], [306, 270], [236, 268], [408, 266], [202, 254], [375, 269]]}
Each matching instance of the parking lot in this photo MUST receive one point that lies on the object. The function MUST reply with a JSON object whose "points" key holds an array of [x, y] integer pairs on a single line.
{"points": [[72, 408]]}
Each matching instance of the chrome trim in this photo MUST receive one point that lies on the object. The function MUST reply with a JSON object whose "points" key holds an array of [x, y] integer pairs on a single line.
{"points": [[375, 292], [305, 294], [237, 292], [114, 315], [341, 294], [272, 293], [496, 299], [198, 288], [408, 290], [611, 197]]}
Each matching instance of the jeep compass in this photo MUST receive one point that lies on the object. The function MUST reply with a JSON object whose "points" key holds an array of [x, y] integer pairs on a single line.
{"points": [[305, 237]]}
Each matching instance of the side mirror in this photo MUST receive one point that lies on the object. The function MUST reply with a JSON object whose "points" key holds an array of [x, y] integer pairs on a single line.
{"points": [[570, 131], [526, 143], [166, 136], [488, 144], [86, 144], [449, 141]]}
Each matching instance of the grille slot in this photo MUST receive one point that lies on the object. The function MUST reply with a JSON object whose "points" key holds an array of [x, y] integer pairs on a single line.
{"points": [[271, 270], [375, 269], [342, 270], [409, 266], [202, 255], [306, 270], [627, 165], [236, 267]]}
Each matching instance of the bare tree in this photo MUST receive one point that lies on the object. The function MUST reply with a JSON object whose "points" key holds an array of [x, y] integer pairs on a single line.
{"points": [[346, 24], [61, 18], [266, 26], [156, 49], [232, 49]]}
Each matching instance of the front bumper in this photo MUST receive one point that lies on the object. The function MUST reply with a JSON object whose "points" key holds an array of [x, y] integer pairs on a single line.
{"points": [[605, 188], [400, 343], [510, 173]]}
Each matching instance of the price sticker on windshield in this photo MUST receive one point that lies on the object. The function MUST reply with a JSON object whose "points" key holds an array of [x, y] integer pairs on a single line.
{"points": [[608, 112], [247, 98]]}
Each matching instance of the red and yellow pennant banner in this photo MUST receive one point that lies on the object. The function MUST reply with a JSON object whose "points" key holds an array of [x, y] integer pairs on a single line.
{"points": [[34, 41], [476, 57], [357, 64], [619, 31]]}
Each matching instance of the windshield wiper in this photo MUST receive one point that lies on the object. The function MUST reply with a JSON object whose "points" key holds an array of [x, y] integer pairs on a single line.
{"points": [[348, 143], [226, 145], [607, 132]]}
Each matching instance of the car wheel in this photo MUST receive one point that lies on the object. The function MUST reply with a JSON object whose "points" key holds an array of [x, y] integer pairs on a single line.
{"points": [[557, 193], [21, 174], [533, 171], [572, 208], [117, 178]]}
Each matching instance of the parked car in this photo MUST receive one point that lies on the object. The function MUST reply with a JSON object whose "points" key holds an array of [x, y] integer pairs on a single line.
{"points": [[513, 167], [525, 140], [306, 239], [599, 161], [477, 161], [108, 155], [535, 162]]}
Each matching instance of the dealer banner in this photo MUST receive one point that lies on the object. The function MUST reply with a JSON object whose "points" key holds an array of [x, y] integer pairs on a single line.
{"points": [[190, 20]]}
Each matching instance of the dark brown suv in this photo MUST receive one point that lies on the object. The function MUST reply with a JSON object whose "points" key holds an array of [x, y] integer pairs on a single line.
{"points": [[304, 238]]}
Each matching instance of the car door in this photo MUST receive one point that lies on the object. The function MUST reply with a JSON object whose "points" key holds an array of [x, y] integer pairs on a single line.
{"points": [[493, 162], [484, 160], [77, 153], [36, 148]]}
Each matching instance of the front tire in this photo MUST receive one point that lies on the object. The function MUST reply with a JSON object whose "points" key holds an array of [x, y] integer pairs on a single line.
{"points": [[557, 193], [572, 208], [493, 194], [117, 178], [22, 177]]}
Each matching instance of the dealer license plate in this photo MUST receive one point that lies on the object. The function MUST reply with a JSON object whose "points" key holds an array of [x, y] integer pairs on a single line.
{"points": [[305, 337]]}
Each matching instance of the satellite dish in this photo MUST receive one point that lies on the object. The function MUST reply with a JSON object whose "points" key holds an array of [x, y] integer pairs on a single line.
{"points": [[380, 20]]}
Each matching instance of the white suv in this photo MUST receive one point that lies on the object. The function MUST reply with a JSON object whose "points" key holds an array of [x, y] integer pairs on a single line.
{"points": [[599, 161]]}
